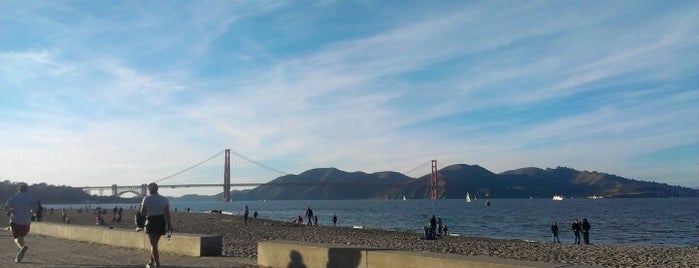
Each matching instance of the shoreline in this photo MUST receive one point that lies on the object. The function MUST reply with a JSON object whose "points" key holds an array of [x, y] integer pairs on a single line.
{"points": [[241, 241]]}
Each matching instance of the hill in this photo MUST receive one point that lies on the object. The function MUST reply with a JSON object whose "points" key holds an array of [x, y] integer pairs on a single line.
{"points": [[454, 182]]}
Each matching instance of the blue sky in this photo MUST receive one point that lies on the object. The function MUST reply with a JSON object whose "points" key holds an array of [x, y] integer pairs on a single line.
{"points": [[95, 93]]}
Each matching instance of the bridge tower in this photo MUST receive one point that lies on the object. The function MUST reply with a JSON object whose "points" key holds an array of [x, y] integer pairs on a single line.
{"points": [[227, 177], [433, 180]]}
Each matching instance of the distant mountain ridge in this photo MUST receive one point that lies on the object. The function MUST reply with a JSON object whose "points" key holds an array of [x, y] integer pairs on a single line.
{"points": [[454, 182]]}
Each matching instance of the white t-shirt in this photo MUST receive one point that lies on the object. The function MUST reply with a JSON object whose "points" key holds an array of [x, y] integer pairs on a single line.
{"points": [[155, 204]]}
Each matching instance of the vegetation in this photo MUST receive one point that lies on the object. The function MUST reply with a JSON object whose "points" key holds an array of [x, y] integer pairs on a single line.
{"points": [[52, 194], [453, 182]]}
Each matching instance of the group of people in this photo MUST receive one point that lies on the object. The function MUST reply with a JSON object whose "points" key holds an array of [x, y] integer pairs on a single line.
{"points": [[246, 213], [313, 218], [435, 228], [155, 209], [578, 227]]}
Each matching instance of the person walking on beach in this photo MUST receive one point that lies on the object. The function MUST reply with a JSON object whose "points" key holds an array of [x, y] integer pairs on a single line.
{"points": [[20, 208], [433, 226], [156, 208], [586, 231], [245, 215], [576, 231], [554, 232], [334, 220], [309, 215]]}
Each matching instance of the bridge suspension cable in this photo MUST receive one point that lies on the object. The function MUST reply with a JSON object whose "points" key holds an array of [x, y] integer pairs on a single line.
{"points": [[192, 167], [258, 163], [422, 166]]}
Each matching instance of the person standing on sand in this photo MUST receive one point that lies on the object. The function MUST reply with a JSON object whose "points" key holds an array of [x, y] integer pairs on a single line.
{"points": [[20, 208], [439, 226], [156, 208], [576, 231], [334, 220], [554, 232], [433, 226], [586, 231], [245, 215], [309, 215]]}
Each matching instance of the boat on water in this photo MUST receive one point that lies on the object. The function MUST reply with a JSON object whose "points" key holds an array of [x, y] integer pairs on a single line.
{"points": [[595, 197], [468, 197], [557, 198], [404, 198]]}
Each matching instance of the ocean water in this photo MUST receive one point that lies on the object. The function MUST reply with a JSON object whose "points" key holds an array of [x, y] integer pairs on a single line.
{"points": [[615, 221], [650, 221]]}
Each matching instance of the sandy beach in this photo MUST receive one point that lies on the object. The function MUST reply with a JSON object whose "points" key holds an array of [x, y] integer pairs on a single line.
{"points": [[241, 241]]}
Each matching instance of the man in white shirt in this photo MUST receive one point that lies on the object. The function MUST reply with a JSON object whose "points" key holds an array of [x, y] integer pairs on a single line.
{"points": [[156, 209]]}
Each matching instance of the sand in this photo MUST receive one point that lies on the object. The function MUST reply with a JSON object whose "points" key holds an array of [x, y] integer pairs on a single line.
{"points": [[241, 241]]}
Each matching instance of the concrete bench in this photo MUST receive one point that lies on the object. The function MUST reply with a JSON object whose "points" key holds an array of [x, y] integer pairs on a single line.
{"points": [[180, 243], [277, 253]]}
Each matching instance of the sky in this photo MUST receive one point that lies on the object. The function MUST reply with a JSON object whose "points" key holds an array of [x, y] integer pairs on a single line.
{"points": [[97, 93]]}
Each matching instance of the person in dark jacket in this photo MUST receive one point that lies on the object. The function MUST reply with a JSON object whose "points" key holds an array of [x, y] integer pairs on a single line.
{"points": [[433, 226], [576, 231], [554, 232], [586, 231]]}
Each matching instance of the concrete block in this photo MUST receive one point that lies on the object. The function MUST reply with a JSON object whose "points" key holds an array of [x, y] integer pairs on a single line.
{"points": [[181, 243], [302, 254], [410, 259], [278, 253]]}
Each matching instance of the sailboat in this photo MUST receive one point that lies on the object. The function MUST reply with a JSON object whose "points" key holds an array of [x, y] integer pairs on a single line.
{"points": [[468, 197], [404, 198]]}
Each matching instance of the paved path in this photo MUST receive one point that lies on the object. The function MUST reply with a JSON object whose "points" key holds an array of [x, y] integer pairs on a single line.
{"points": [[47, 251]]}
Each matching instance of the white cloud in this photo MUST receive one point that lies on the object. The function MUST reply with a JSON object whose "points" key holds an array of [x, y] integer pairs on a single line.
{"points": [[144, 97]]}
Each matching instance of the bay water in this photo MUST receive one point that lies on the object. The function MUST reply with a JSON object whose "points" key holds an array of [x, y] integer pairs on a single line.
{"points": [[615, 221], [627, 221]]}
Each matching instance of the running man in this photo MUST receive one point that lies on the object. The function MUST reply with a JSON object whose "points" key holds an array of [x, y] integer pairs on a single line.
{"points": [[20, 209]]}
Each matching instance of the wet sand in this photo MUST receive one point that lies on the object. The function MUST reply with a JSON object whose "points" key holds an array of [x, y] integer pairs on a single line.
{"points": [[241, 241]]}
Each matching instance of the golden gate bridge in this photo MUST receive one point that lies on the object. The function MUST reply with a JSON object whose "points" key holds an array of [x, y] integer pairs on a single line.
{"points": [[208, 173]]}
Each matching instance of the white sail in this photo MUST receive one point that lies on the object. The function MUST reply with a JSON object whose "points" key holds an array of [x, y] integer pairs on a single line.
{"points": [[468, 197]]}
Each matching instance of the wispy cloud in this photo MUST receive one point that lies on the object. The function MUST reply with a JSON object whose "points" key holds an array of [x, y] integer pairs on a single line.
{"points": [[149, 88]]}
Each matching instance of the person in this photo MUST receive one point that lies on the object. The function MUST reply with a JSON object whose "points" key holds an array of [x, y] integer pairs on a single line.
{"points": [[254, 214], [245, 215], [99, 220], [39, 211], [586, 231], [120, 212], [309, 215], [433, 226], [64, 215], [20, 208], [445, 229], [334, 220], [439, 226], [156, 209], [554, 232], [299, 220], [315, 220], [576, 231]]}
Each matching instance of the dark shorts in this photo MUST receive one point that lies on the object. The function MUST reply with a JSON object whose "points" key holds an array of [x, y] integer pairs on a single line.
{"points": [[156, 225], [19, 230]]}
